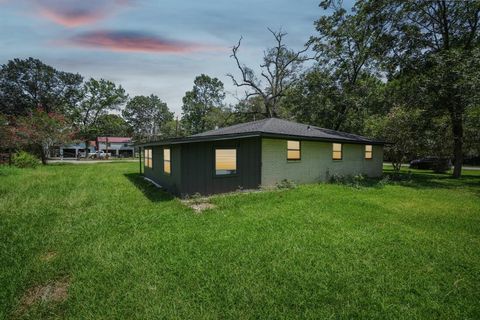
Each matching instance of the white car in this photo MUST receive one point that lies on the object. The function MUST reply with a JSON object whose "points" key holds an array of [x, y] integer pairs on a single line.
{"points": [[99, 155]]}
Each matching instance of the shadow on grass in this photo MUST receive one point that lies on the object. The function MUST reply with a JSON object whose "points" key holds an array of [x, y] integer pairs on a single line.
{"points": [[424, 180], [153, 193]]}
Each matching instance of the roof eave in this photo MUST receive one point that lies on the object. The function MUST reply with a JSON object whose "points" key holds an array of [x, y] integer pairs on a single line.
{"points": [[300, 137], [250, 135]]}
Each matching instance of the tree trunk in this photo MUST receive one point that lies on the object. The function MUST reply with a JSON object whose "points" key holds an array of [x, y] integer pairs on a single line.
{"points": [[43, 156], [457, 129]]}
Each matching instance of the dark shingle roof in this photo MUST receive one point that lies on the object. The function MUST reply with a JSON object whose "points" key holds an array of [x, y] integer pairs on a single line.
{"points": [[272, 127], [276, 126]]}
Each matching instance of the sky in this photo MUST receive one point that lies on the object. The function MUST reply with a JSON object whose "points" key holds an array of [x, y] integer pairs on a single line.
{"points": [[151, 47]]}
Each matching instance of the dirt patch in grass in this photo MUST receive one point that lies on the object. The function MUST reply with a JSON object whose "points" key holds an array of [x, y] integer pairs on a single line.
{"points": [[199, 207], [55, 291], [48, 256]]}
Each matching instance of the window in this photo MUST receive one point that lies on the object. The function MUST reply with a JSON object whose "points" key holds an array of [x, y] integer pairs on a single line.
{"points": [[225, 161], [293, 150], [368, 152], [148, 157], [337, 151], [167, 167]]}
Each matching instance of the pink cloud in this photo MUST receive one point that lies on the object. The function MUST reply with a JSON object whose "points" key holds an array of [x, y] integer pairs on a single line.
{"points": [[71, 13], [72, 18], [127, 41]]}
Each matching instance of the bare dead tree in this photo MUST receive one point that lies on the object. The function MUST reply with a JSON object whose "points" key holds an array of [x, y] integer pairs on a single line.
{"points": [[279, 71]]}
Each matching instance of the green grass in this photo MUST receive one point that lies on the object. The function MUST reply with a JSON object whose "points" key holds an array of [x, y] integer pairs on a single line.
{"points": [[408, 249]]}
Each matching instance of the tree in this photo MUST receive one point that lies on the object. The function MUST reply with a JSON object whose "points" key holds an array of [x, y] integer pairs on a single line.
{"points": [[472, 132], [246, 110], [147, 116], [112, 125], [28, 84], [173, 129], [41, 130], [279, 71], [203, 107], [319, 98], [438, 39], [98, 98], [400, 128], [7, 136], [346, 46]]}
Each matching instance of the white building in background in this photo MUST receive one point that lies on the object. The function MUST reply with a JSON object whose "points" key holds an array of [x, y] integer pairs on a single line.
{"points": [[117, 146]]}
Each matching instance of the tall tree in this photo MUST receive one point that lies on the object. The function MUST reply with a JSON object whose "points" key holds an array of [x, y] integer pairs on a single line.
{"points": [[397, 128], [41, 130], [279, 71], [99, 98], [28, 84], [113, 125], [440, 40], [203, 107], [320, 98], [346, 45], [147, 116]]}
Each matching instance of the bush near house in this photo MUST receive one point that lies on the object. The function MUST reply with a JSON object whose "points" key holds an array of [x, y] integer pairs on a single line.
{"points": [[24, 159]]}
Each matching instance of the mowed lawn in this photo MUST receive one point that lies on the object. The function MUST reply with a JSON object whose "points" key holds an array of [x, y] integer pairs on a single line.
{"points": [[123, 249]]}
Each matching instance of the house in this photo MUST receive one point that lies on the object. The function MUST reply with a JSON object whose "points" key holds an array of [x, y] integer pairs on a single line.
{"points": [[116, 146], [258, 153]]}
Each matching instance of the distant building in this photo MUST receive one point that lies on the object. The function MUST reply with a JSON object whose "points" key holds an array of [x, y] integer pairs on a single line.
{"points": [[116, 146]]}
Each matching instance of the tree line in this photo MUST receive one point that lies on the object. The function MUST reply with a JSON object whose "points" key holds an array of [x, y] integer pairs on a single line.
{"points": [[407, 72]]}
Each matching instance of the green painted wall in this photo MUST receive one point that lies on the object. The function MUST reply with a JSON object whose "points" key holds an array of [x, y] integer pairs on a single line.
{"points": [[316, 162]]}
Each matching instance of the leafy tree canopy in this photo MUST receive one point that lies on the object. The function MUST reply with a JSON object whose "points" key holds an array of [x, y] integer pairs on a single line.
{"points": [[28, 84], [203, 107], [147, 116]]}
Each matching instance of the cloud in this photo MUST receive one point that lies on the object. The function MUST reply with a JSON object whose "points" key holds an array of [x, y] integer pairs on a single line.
{"points": [[129, 41], [77, 13], [72, 18]]}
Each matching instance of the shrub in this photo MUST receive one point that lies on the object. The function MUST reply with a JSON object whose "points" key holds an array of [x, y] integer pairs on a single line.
{"points": [[354, 181], [24, 160]]}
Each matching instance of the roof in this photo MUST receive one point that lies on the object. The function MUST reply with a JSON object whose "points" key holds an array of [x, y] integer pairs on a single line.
{"points": [[271, 127], [114, 139]]}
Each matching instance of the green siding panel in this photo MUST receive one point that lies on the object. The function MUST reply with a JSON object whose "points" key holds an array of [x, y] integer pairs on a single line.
{"points": [[198, 167], [316, 162], [171, 181]]}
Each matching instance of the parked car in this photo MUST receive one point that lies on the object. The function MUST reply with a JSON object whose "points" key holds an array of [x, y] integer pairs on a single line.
{"points": [[99, 155], [437, 164]]}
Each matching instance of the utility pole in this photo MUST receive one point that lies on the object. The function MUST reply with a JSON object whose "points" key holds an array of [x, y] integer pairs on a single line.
{"points": [[176, 127]]}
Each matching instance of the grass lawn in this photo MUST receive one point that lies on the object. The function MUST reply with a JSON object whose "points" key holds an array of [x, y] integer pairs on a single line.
{"points": [[123, 249]]}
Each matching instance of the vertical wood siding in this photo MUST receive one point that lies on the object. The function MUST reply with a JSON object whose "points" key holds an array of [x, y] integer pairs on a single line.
{"points": [[198, 167], [172, 181]]}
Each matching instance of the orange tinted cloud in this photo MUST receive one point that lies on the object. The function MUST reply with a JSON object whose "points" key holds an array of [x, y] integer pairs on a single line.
{"points": [[127, 41], [72, 18], [73, 13]]}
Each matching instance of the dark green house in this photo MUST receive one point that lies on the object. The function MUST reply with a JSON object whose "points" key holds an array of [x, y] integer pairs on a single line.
{"points": [[258, 153]]}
